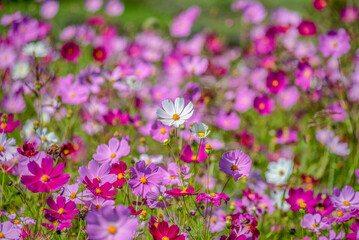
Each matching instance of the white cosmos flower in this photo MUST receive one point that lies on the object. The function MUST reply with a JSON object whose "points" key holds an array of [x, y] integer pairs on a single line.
{"points": [[36, 49], [174, 114], [20, 70], [200, 130], [7, 148], [47, 138], [279, 172], [278, 197]]}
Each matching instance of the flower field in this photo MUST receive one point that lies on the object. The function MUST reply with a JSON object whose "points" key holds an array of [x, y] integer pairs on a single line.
{"points": [[179, 120]]}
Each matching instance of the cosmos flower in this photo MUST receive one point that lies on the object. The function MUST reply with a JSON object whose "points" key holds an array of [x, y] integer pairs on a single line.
{"points": [[276, 81], [177, 192], [314, 222], [112, 152], [7, 123], [27, 150], [114, 8], [74, 94], [61, 210], [174, 114], [119, 170], [97, 190], [157, 198], [195, 65], [263, 104], [307, 28], [304, 76], [162, 231], [144, 178], [300, 199], [345, 199], [94, 170], [49, 9], [159, 132], [7, 147], [110, 223], [189, 156], [349, 14], [182, 24], [171, 176], [20, 70], [99, 54], [45, 178], [8, 231], [36, 49], [334, 43], [338, 114], [71, 52], [227, 121], [235, 163], [339, 148], [47, 138], [279, 172], [214, 198], [200, 130]]}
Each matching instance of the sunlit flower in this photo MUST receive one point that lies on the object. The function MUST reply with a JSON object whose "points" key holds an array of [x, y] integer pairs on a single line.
{"points": [[279, 172], [200, 130], [174, 114]]}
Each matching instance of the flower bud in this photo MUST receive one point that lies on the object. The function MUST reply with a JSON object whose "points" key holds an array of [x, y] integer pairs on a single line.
{"points": [[208, 149], [4, 118], [161, 198], [188, 228], [182, 127], [193, 212], [142, 140], [166, 142]]}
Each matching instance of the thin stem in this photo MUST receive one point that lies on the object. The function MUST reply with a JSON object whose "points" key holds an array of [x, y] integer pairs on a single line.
{"points": [[225, 184]]}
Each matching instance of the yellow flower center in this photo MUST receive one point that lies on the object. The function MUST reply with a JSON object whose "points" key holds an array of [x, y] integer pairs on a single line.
{"points": [[281, 172], [73, 195], [340, 214], [45, 178], [61, 211], [165, 238], [3, 125], [54, 223], [346, 203], [213, 219], [113, 155], [148, 161], [2, 148], [212, 194], [98, 179], [300, 201], [17, 221], [143, 180], [334, 43], [44, 139], [163, 131], [98, 191], [175, 117], [261, 106], [98, 206], [194, 158], [314, 225], [201, 134], [275, 83], [303, 205], [112, 229], [184, 190], [72, 95], [120, 176], [172, 177], [234, 167], [307, 73]]}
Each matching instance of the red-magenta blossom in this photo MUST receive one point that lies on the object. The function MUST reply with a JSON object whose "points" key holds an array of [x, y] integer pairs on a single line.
{"points": [[100, 191], [177, 192], [70, 51], [161, 231], [8, 125], [189, 156], [119, 169], [45, 178], [61, 210], [307, 28], [99, 54], [27, 150], [298, 198], [214, 198]]}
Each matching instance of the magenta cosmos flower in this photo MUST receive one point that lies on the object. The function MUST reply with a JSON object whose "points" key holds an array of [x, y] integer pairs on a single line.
{"points": [[111, 223], [189, 156], [345, 199], [45, 178], [276, 81], [112, 152], [349, 14], [214, 198], [314, 222], [61, 210], [144, 178], [263, 104], [103, 191], [7, 123], [177, 192], [334, 43], [70, 51], [119, 170], [307, 28], [94, 170], [235, 163], [304, 76], [161, 231], [300, 199], [160, 132], [182, 24]]}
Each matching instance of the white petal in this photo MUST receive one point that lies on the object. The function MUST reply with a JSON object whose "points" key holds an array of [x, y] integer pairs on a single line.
{"points": [[179, 105], [187, 109], [162, 114], [168, 106]]}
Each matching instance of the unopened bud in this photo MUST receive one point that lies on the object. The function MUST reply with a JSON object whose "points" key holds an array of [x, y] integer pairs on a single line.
{"points": [[182, 127], [193, 212], [208, 149], [4, 118], [188, 228], [116, 134], [166, 142], [142, 140]]}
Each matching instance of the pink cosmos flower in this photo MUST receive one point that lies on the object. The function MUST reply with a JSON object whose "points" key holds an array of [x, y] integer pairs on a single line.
{"points": [[195, 65], [116, 117], [227, 121], [300, 199], [157, 198], [304, 76], [288, 97], [189, 156], [61, 210], [114, 8], [177, 192], [235, 163], [111, 223], [119, 170], [159, 132], [45, 178], [263, 104], [74, 93], [182, 24], [338, 114], [70, 51], [170, 177], [8, 125], [144, 178], [112, 152], [9, 231], [244, 100], [345, 199], [334, 43], [314, 222], [49, 9], [307, 28], [276, 82], [349, 14], [214, 198], [94, 170], [103, 191]]}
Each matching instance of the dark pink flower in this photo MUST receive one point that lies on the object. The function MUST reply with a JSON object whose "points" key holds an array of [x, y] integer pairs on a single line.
{"points": [[214, 198], [70, 51], [7, 123], [45, 178], [177, 192], [276, 81], [263, 104], [99, 54], [189, 156], [100, 191], [298, 198], [61, 210], [307, 28], [119, 169]]}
